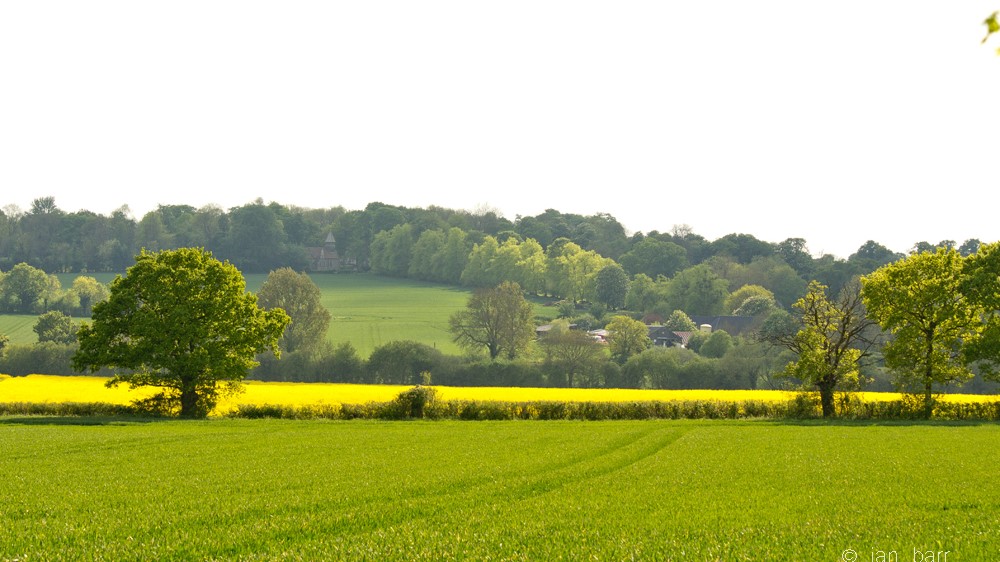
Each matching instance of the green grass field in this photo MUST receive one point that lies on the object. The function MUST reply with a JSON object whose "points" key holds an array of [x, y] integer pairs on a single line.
{"points": [[95, 489], [367, 310], [18, 327]]}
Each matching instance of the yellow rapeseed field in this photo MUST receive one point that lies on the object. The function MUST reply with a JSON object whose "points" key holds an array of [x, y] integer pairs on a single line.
{"points": [[55, 389]]}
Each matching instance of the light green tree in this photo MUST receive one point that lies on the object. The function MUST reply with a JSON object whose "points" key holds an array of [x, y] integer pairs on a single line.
{"points": [[23, 287], [981, 285], [756, 306], [89, 292], [392, 250], [919, 301], [832, 337], [531, 267], [739, 296], [427, 245], [477, 268], [627, 337], [645, 294], [181, 321], [678, 321], [451, 259]]}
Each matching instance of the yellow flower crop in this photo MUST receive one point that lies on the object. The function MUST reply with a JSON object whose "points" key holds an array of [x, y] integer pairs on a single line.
{"points": [[55, 389]]}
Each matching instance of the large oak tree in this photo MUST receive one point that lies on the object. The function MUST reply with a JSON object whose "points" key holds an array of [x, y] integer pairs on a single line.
{"points": [[182, 321]]}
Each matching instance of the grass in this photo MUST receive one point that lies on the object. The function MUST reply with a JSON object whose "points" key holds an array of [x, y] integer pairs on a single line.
{"points": [[367, 310], [316, 490], [18, 327]]}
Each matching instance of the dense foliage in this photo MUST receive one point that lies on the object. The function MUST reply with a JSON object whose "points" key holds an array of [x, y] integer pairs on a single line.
{"points": [[589, 267], [181, 321]]}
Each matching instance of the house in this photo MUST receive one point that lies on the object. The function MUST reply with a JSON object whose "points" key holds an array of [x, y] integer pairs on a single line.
{"points": [[664, 337], [326, 258]]}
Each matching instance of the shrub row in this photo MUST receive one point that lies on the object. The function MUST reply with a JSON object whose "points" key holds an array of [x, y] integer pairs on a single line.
{"points": [[802, 407], [420, 403], [73, 409]]}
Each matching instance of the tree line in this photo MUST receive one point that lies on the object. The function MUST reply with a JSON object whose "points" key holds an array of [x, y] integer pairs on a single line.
{"points": [[260, 237], [602, 276]]}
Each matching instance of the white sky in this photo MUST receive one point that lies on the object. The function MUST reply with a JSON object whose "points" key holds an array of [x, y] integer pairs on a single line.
{"points": [[837, 122]]}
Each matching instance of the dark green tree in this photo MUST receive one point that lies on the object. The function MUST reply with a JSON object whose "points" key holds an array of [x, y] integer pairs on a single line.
{"points": [[181, 321], [697, 290], [611, 286], [716, 344], [499, 319], [300, 298], [572, 357], [54, 326], [402, 362], [654, 257]]}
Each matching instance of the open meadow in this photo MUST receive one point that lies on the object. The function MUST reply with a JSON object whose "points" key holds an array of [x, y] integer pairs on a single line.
{"points": [[367, 310], [105, 489]]}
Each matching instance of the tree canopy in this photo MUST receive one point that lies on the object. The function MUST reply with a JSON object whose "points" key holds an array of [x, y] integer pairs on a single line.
{"points": [[182, 321], [832, 337], [920, 302], [499, 319], [296, 294], [627, 337]]}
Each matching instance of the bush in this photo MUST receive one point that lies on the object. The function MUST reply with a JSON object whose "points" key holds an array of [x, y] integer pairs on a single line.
{"points": [[401, 362], [412, 403]]}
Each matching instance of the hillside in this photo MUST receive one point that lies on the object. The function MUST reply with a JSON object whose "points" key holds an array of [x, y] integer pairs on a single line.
{"points": [[368, 310]]}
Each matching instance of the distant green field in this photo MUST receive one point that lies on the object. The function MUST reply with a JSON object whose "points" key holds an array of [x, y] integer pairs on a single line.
{"points": [[313, 490], [18, 327], [367, 310]]}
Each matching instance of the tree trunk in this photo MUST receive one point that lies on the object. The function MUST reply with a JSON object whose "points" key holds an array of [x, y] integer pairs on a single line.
{"points": [[928, 399], [189, 402], [826, 400], [929, 377]]}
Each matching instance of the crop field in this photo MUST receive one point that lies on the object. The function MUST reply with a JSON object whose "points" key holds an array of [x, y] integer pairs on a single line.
{"points": [[102, 489], [55, 389]]}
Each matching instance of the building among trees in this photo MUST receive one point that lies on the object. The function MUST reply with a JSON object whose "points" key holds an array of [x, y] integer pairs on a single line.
{"points": [[326, 258]]}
